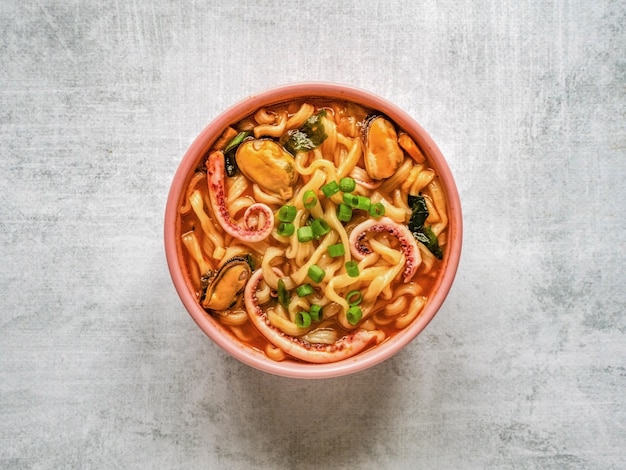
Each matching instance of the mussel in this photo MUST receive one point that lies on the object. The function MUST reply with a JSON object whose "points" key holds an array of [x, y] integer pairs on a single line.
{"points": [[268, 164], [382, 154], [222, 289]]}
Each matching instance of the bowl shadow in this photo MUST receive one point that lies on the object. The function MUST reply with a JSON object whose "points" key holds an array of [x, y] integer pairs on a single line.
{"points": [[293, 423]]}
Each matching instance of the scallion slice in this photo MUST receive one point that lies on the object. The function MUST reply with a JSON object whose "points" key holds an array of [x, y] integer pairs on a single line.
{"points": [[304, 290], [354, 297], [354, 315], [350, 199], [303, 319], [287, 213], [315, 312], [283, 294], [347, 184], [305, 234], [352, 268], [320, 227], [330, 188], [286, 229], [316, 273], [336, 250], [344, 212], [309, 199], [377, 210], [363, 203]]}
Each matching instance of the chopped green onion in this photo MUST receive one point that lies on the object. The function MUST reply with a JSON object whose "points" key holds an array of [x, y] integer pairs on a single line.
{"points": [[352, 268], [316, 273], [283, 294], [377, 210], [315, 312], [330, 188], [309, 199], [357, 202], [286, 229], [235, 141], [344, 212], [304, 290], [354, 315], [303, 319], [350, 199], [305, 234], [347, 184], [336, 250], [287, 213], [354, 297], [363, 203], [320, 227]]}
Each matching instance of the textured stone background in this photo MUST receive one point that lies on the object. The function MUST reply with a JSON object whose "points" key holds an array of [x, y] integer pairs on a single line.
{"points": [[100, 365]]}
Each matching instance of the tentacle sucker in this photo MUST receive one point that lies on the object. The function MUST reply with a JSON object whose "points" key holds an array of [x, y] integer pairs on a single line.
{"points": [[215, 180], [401, 232], [343, 348]]}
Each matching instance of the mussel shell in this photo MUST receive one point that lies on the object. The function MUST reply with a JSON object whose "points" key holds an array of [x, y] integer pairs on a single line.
{"points": [[224, 288], [268, 164], [382, 154]]}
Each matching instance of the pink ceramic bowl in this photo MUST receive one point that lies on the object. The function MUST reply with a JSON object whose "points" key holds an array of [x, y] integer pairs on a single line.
{"points": [[293, 368]]}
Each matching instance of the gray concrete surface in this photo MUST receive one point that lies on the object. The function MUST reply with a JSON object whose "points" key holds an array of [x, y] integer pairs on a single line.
{"points": [[100, 365]]}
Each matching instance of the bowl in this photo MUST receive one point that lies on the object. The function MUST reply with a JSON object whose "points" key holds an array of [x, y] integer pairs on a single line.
{"points": [[213, 328]]}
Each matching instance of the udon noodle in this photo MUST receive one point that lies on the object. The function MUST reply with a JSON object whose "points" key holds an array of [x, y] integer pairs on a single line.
{"points": [[313, 230]]}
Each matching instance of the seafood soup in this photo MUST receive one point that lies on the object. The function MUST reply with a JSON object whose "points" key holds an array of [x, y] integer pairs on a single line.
{"points": [[313, 230]]}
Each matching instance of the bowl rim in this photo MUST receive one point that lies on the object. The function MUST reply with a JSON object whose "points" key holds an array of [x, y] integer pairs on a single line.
{"points": [[196, 151]]}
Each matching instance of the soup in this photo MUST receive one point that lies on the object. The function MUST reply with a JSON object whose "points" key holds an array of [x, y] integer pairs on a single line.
{"points": [[313, 230]]}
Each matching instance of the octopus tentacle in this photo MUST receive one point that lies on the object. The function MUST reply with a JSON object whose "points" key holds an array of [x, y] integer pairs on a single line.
{"points": [[401, 232], [217, 195], [343, 348]]}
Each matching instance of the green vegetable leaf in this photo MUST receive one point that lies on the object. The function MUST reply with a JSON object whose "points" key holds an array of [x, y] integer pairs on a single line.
{"points": [[235, 141], [230, 164], [428, 238], [423, 234], [419, 213], [311, 135], [284, 298]]}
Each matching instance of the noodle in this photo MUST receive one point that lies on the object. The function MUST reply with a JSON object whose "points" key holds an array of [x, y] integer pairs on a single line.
{"points": [[262, 116], [440, 204], [422, 179], [191, 243], [351, 159], [269, 275], [380, 282], [414, 309], [209, 229], [274, 353], [236, 318], [198, 178], [272, 129], [297, 119], [283, 323]]}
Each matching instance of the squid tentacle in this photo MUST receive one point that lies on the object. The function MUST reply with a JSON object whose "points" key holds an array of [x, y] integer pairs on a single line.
{"points": [[401, 232], [343, 348], [217, 195]]}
